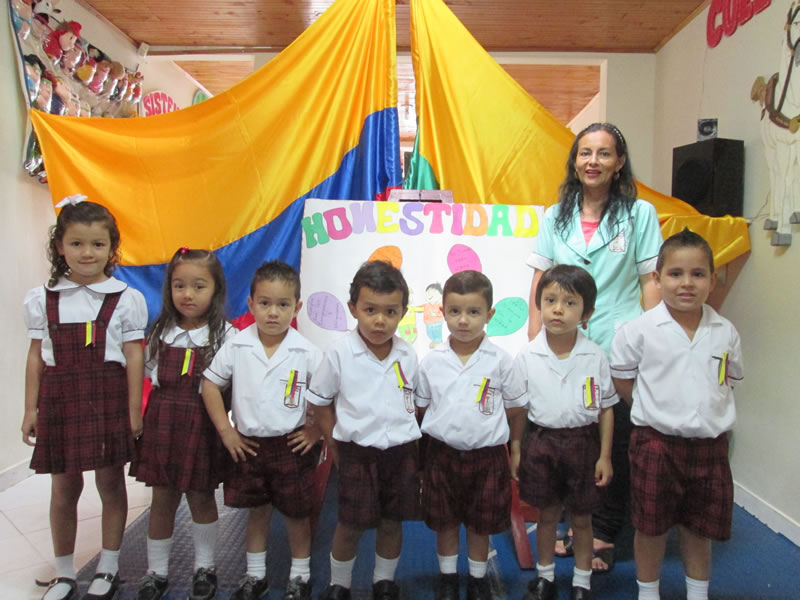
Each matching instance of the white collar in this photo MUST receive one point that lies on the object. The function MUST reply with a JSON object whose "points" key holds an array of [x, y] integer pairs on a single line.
{"points": [[662, 315], [359, 346], [199, 336], [109, 286], [249, 337], [540, 346]]}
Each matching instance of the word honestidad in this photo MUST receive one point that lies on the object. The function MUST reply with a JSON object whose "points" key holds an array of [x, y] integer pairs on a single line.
{"points": [[415, 218]]}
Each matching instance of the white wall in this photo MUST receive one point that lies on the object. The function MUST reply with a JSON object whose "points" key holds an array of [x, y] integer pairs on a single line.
{"points": [[26, 212], [627, 88], [694, 81]]}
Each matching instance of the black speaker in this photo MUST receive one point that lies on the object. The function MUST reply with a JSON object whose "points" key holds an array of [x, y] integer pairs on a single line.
{"points": [[709, 175]]}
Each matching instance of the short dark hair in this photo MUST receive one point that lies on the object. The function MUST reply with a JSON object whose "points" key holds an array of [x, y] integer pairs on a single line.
{"points": [[469, 282], [575, 280], [684, 239], [434, 286], [380, 276], [276, 270]]}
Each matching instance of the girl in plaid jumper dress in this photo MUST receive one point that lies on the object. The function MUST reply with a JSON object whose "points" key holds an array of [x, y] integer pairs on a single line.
{"points": [[83, 385], [180, 452]]}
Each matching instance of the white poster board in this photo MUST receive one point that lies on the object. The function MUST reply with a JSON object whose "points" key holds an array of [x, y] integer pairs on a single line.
{"points": [[429, 241]]}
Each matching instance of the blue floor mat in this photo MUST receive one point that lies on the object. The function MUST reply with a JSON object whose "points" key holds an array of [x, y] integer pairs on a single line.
{"points": [[756, 564]]}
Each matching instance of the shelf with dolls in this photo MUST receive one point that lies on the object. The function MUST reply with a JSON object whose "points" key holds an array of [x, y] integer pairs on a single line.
{"points": [[62, 73]]}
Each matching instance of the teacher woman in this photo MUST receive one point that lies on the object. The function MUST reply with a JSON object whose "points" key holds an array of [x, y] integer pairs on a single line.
{"points": [[600, 225]]}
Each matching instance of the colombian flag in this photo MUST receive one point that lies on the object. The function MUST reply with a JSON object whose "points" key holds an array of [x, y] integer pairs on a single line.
{"points": [[231, 174], [483, 136]]}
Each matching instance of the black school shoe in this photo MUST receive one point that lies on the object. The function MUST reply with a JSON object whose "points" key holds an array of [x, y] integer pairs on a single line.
{"points": [[72, 594], [297, 589], [115, 582], [541, 589], [385, 590], [579, 593], [204, 584], [251, 588], [447, 587], [152, 587], [336, 592], [478, 588]]}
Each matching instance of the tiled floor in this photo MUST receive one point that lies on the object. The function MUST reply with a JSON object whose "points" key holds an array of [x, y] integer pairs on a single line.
{"points": [[26, 550]]}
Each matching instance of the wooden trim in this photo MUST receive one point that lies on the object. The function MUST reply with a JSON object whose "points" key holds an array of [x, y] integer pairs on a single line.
{"points": [[682, 24], [88, 7]]}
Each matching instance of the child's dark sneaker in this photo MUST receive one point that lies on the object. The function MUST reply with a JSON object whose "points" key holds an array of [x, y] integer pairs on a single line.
{"points": [[335, 592], [540, 589], [204, 584], [250, 588], [447, 587], [152, 587], [297, 590], [478, 588], [385, 590]]}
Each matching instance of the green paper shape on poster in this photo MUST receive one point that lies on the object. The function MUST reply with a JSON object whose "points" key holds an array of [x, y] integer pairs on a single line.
{"points": [[509, 315], [199, 96]]}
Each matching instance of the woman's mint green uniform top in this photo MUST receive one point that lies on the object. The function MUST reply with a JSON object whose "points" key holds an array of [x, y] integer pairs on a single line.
{"points": [[615, 257]]}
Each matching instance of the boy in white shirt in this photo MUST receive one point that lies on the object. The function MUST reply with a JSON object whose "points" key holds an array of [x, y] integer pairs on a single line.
{"points": [[467, 387], [269, 365], [678, 363], [364, 404], [567, 457]]}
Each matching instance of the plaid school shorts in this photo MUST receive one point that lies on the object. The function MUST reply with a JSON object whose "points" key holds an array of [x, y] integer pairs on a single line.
{"points": [[378, 484], [680, 481], [557, 467], [274, 476], [472, 487]]}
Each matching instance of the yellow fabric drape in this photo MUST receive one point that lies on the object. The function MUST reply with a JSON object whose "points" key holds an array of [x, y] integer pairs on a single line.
{"points": [[207, 175], [489, 141]]}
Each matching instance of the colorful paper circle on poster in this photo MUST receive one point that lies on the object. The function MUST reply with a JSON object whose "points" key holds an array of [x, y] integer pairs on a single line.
{"points": [[390, 254], [157, 103], [509, 315], [199, 96], [325, 309], [463, 258]]}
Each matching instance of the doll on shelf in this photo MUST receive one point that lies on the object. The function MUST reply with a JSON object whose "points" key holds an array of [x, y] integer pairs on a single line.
{"points": [[62, 39], [99, 78]]}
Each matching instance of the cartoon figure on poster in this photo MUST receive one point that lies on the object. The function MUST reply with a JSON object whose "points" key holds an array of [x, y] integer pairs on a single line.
{"points": [[432, 313], [780, 125], [21, 14]]}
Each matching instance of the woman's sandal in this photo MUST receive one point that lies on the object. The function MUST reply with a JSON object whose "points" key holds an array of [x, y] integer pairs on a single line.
{"points": [[569, 549], [608, 555]]}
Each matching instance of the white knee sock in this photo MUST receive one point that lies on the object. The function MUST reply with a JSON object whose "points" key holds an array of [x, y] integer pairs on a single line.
{"points": [[158, 552], [257, 564], [648, 591], [205, 540], [342, 572], [65, 567], [109, 563], [301, 567], [696, 589], [478, 568], [547, 572], [448, 564], [384, 568]]}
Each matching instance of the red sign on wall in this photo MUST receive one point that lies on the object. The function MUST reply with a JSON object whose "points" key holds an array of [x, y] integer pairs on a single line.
{"points": [[157, 103], [725, 16]]}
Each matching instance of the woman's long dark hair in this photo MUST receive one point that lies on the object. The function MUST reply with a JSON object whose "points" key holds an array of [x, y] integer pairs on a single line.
{"points": [[623, 191], [169, 317]]}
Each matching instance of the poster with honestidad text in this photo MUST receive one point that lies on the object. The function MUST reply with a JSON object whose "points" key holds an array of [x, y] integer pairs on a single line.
{"points": [[428, 241]]}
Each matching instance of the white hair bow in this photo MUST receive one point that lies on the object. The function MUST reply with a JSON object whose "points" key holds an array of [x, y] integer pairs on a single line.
{"points": [[73, 200]]}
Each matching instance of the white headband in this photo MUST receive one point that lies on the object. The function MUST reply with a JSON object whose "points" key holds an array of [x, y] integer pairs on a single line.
{"points": [[73, 200]]}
